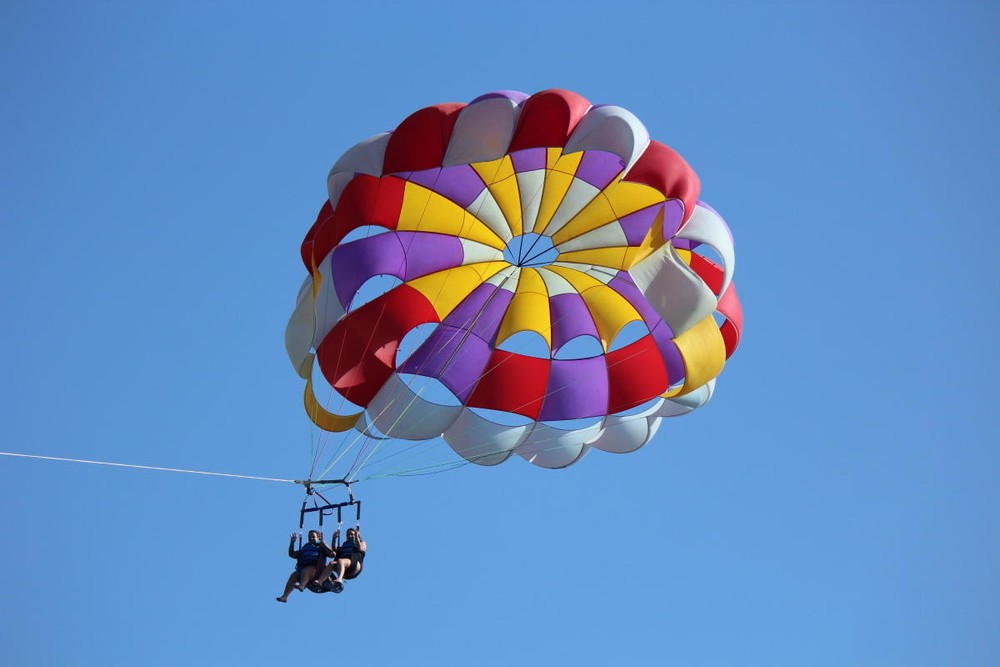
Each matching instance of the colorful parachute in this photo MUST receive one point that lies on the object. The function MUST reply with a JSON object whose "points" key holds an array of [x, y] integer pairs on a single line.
{"points": [[506, 226]]}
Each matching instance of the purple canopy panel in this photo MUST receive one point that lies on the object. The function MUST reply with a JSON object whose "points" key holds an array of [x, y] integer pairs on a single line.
{"points": [[624, 285], [529, 159], [599, 168], [406, 255], [570, 318], [427, 252], [577, 388], [673, 216], [481, 312], [636, 225], [453, 356], [355, 262], [668, 350], [459, 183]]}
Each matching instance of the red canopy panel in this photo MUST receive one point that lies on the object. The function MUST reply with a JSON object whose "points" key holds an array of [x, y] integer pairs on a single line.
{"points": [[732, 328], [661, 167], [547, 119], [421, 140], [709, 271], [358, 355], [512, 382], [367, 200], [323, 217], [636, 374]]}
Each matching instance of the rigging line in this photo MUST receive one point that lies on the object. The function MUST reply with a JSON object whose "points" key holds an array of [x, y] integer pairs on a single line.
{"points": [[377, 443], [468, 331], [362, 434], [338, 452], [448, 465], [442, 466], [140, 467], [372, 451], [366, 441], [321, 440], [428, 469], [313, 449], [357, 467], [547, 394], [417, 472], [445, 466], [321, 451], [319, 445], [338, 455], [342, 450], [465, 334], [419, 444], [433, 468], [369, 445], [421, 217], [448, 462]]}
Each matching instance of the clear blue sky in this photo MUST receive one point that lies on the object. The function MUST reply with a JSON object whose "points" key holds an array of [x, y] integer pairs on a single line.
{"points": [[835, 504]]}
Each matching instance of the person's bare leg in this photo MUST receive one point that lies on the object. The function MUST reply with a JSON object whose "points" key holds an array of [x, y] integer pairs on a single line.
{"points": [[327, 571], [305, 576], [342, 565], [289, 587]]}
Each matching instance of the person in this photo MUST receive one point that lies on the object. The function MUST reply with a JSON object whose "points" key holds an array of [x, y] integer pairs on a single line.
{"points": [[348, 562], [308, 558]]}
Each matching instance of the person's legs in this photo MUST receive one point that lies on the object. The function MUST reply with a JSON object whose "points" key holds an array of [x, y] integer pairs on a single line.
{"points": [[306, 575], [341, 565], [289, 587], [330, 569]]}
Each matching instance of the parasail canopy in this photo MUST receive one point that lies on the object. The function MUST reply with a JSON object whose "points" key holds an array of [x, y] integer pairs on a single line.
{"points": [[559, 282]]}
